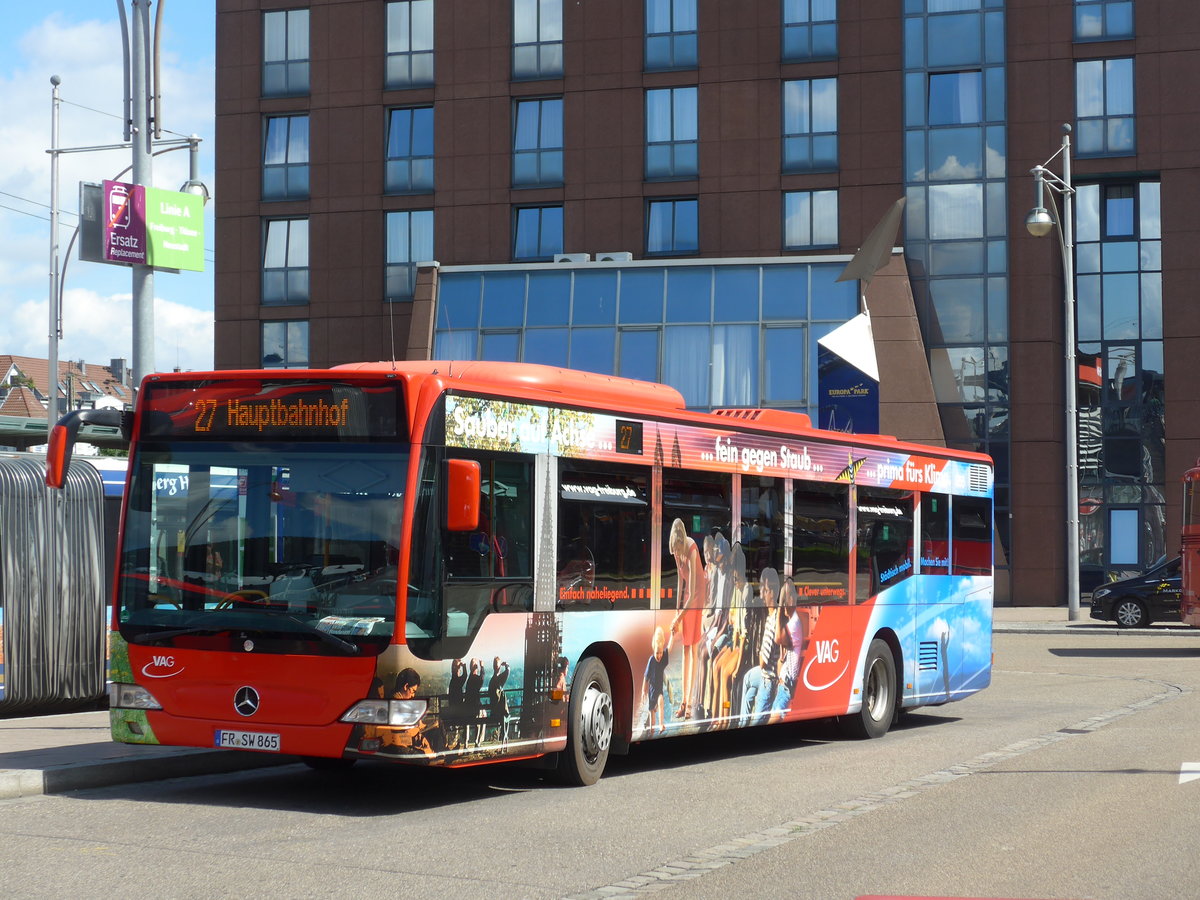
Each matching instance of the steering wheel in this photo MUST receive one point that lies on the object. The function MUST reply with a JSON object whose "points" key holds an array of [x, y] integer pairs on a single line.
{"points": [[257, 598], [157, 599]]}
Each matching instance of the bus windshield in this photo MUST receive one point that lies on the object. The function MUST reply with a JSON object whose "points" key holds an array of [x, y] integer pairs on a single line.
{"points": [[291, 547]]}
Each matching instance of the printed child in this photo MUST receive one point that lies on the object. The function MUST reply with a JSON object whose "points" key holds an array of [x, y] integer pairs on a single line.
{"points": [[654, 681]]}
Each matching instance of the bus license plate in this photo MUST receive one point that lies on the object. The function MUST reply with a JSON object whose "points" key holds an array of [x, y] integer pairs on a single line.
{"points": [[248, 740]]}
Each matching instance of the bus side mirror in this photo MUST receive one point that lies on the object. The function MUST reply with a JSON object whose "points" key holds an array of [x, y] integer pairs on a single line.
{"points": [[64, 435], [462, 494]]}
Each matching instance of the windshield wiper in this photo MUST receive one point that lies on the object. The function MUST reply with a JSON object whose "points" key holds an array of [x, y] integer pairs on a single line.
{"points": [[346, 647], [178, 632]]}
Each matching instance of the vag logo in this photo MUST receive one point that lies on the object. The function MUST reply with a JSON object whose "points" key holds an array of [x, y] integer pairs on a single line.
{"points": [[161, 666], [827, 653]]}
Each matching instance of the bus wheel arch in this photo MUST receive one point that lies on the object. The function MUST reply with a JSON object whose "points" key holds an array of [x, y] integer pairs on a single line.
{"points": [[881, 695], [620, 679]]}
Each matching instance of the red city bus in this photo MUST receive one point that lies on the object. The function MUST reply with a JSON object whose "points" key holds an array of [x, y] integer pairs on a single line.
{"points": [[1189, 552], [452, 563]]}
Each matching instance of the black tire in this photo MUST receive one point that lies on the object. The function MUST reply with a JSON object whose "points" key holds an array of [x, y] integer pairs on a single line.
{"points": [[589, 725], [878, 696], [327, 763], [1130, 613]]}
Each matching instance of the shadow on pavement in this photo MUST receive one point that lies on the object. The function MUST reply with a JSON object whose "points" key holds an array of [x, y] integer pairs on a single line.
{"points": [[1127, 652], [372, 788]]}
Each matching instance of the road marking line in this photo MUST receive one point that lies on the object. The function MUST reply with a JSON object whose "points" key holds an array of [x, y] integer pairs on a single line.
{"points": [[1189, 772], [737, 849]]}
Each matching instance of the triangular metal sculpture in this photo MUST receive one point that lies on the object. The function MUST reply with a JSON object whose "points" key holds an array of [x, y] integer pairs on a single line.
{"points": [[851, 347], [876, 250]]}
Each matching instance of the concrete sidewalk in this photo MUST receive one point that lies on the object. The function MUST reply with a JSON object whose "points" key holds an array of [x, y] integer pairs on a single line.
{"points": [[1055, 619], [66, 752], [56, 753]]}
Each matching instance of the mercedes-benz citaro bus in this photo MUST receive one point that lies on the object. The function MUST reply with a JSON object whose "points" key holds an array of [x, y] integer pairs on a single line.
{"points": [[452, 563]]}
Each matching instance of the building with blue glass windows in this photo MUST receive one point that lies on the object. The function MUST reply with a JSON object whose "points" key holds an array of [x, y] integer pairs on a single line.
{"points": [[669, 190]]}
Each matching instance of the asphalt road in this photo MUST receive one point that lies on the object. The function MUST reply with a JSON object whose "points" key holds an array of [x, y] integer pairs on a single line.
{"points": [[1062, 780]]}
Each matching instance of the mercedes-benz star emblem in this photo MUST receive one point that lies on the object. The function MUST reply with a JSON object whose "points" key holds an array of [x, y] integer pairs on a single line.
{"points": [[245, 701]]}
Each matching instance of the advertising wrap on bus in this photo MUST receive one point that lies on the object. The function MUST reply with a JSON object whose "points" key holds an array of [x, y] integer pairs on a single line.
{"points": [[559, 563], [521, 428]]}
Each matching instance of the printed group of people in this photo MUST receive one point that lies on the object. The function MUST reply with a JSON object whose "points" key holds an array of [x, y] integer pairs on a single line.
{"points": [[768, 687], [741, 655], [467, 720], [395, 741]]}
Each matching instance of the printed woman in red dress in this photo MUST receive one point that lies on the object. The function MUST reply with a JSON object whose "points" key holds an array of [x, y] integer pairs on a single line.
{"points": [[693, 590]]}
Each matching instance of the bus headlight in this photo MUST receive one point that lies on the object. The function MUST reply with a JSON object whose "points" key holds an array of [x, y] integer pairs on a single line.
{"points": [[131, 696], [394, 713]]}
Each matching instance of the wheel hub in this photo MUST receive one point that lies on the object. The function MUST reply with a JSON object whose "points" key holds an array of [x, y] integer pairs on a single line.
{"points": [[876, 697], [596, 722]]}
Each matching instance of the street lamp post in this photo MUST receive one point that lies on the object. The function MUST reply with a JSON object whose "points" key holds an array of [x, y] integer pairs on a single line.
{"points": [[142, 130], [1039, 223], [141, 137], [52, 361], [58, 273]]}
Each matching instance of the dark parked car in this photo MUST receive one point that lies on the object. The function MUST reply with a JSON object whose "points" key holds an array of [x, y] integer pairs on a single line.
{"points": [[1138, 601]]}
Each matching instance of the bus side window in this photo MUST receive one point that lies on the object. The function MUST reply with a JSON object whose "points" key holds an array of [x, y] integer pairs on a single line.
{"points": [[489, 569], [467, 554], [885, 539], [972, 537], [935, 534], [501, 546], [702, 503], [603, 537], [763, 515], [511, 494], [820, 545]]}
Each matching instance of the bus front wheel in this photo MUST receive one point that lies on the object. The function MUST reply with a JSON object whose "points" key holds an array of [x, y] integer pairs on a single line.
{"points": [[878, 695], [589, 725]]}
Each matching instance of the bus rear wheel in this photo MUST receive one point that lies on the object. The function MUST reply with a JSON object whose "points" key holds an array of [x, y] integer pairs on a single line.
{"points": [[589, 725], [878, 695]]}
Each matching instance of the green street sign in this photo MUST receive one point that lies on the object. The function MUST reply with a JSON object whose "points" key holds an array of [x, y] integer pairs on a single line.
{"points": [[175, 230]]}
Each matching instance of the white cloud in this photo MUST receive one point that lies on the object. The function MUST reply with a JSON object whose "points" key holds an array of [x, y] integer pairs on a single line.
{"points": [[85, 51], [97, 329], [955, 170], [939, 630]]}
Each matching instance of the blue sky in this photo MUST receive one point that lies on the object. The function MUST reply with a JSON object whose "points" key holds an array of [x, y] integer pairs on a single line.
{"points": [[80, 41]]}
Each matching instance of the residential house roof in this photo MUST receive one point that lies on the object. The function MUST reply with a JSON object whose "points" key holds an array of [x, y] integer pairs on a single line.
{"points": [[76, 380], [21, 401]]}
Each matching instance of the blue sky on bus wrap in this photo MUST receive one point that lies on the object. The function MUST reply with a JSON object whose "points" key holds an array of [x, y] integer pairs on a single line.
{"points": [[80, 41]]}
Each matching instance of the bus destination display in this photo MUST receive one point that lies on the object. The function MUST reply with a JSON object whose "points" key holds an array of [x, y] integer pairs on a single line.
{"points": [[242, 410]]}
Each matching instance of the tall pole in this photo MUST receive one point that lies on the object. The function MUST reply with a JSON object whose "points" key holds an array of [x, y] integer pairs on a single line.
{"points": [[141, 136], [1067, 226], [52, 361]]}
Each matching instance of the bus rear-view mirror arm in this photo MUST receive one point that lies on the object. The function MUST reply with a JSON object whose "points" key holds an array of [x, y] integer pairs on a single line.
{"points": [[64, 435]]}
